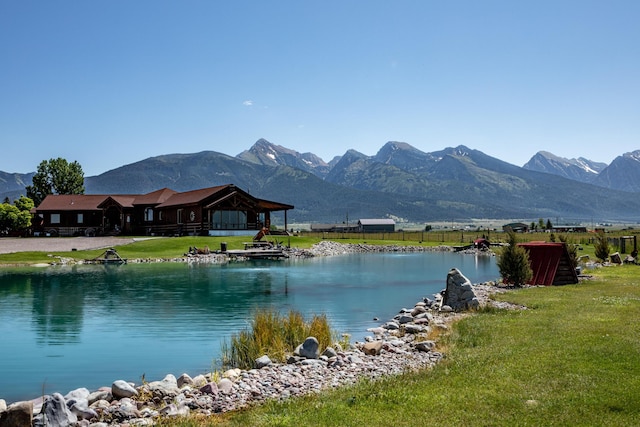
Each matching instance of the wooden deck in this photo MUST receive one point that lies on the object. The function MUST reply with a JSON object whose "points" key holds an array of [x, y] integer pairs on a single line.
{"points": [[257, 248], [258, 253]]}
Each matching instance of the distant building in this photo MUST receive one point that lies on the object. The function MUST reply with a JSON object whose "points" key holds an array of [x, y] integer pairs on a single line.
{"points": [[376, 225], [334, 228], [221, 210], [569, 229], [516, 227]]}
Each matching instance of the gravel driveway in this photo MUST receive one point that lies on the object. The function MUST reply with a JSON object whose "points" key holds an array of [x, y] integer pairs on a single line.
{"points": [[57, 244]]}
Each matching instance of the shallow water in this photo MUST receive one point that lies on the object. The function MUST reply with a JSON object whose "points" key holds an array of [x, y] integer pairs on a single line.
{"points": [[85, 326]]}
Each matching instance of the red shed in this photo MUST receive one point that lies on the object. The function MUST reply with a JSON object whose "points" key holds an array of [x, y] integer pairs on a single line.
{"points": [[550, 263]]}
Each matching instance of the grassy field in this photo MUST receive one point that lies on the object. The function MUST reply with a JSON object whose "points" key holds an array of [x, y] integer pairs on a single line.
{"points": [[571, 359], [173, 247]]}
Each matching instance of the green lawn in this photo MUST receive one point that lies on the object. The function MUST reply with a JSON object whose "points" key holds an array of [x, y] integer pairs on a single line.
{"points": [[572, 358], [173, 247]]}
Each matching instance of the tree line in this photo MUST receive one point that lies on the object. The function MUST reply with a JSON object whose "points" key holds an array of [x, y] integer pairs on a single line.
{"points": [[54, 176]]}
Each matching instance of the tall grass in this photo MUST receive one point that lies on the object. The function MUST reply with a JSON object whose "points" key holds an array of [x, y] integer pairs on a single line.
{"points": [[275, 335]]}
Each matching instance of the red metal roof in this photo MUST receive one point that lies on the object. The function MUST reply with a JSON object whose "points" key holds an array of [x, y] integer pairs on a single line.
{"points": [[545, 259], [162, 198], [124, 201], [155, 197], [72, 202], [191, 197]]}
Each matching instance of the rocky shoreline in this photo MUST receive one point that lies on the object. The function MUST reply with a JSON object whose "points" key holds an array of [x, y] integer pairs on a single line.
{"points": [[398, 345]]}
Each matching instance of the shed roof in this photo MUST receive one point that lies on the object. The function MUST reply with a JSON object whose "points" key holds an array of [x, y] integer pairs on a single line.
{"points": [[550, 263], [382, 221]]}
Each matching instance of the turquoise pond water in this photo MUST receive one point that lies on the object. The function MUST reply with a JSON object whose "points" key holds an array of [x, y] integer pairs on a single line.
{"points": [[85, 326]]}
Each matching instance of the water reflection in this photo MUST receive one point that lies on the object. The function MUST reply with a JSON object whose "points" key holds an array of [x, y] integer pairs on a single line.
{"points": [[86, 326]]}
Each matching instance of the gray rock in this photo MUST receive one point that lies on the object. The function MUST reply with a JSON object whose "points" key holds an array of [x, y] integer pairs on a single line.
{"points": [[55, 413], [77, 394], [372, 348], [412, 328], [262, 361], [167, 387], [312, 362], [184, 380], [232, 374], [19, 414], [81, 409], [417, 310], [120, 389], [100, 405], [37, 404], [200, 380], [293, 359], [354, 359], [210, 388], [425, 346], [459, 292], [405, 318], [309, 348], [125, 409], [329, 352], [473, 303], [103, 393], [225, 386], [391, 326]]}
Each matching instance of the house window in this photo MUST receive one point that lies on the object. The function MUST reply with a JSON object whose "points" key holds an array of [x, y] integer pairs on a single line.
{"points": [[229, 220], [148, 214], [159, 215], [80, 218], [179, 216], [55, 218]]}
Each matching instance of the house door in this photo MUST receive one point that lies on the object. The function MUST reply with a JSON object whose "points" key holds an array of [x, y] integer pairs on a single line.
{"points": [[112, 219]]}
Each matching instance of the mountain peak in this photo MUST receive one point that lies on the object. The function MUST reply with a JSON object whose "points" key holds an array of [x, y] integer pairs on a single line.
{"points": [[266, 153], [404, 156], [580, 169]]}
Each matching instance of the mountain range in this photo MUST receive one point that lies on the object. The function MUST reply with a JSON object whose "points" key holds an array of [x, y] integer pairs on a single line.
{"points": [[399, 181]]}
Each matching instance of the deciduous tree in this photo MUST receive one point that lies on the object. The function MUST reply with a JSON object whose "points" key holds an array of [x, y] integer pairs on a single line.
{"points": [[56, 176], [15, 217]]}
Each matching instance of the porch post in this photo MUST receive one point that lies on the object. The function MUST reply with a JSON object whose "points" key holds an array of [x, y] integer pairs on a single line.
{"points": [[285, 220]]}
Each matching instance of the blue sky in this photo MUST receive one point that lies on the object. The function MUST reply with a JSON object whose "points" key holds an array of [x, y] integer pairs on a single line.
{"points": [[109, 83]]}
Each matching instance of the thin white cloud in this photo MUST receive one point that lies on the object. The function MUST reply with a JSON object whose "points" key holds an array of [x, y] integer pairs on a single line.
{"points": [[248, 103]]}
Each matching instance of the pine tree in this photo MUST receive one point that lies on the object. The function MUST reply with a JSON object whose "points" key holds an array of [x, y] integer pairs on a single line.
{"points": [[513, 263], [572, 250], [601, 247]]}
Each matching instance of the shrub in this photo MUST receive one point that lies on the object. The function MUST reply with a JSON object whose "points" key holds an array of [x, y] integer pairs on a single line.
{"points": [[513, 262]]}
